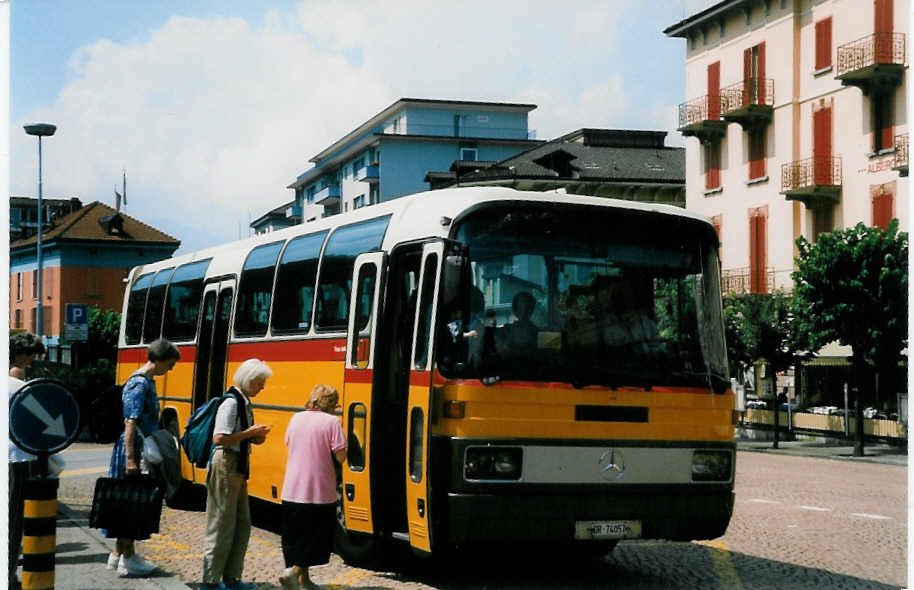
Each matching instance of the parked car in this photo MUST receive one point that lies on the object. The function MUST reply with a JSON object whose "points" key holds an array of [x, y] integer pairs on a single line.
{"points": [[756, 404]]}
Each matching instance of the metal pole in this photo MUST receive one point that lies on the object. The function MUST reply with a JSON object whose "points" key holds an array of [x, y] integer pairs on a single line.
{"points": [[38, 309]]}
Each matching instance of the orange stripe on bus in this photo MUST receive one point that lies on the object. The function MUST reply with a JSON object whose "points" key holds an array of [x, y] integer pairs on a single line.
{"points": [[560, 385], [331, 349], [420, 378], [131, 355]]}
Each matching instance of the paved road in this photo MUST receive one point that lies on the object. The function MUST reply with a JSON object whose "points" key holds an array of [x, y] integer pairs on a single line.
{"points": [[799, 522]]}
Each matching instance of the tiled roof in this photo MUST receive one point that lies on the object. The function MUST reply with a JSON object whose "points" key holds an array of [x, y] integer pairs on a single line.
{"points": [[83, 225], [610, 164]]}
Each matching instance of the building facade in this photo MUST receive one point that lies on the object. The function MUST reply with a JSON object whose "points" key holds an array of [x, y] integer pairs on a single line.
{"points": [[285, 215], [796, 124], [24, 214], [389, 155], [86, 255]]}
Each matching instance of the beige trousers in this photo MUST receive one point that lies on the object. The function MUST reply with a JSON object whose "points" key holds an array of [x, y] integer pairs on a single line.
{"points": [[228, 520]]}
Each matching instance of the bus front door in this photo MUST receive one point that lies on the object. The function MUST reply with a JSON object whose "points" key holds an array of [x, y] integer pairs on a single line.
{"points": [[367, 286], [418, 417]]}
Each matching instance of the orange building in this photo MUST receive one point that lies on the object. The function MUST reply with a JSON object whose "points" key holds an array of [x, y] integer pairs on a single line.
{"points": [[86, 257]]}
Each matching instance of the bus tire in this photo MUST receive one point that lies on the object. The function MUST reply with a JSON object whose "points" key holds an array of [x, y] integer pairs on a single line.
{"points": [[355, 548]]}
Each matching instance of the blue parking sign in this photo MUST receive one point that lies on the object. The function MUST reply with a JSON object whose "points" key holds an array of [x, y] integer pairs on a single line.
{"points": [[76, 328]]}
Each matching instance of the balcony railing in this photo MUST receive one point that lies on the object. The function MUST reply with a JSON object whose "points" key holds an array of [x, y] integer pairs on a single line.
{"points": [[900, 159], [870, 51], [700, 118], [751, 91], [739, 280], [329, 195], [706, 108], [822, 171], [370, 173]]}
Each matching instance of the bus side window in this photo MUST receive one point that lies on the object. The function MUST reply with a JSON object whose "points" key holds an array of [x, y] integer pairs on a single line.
{"points": [[294, 298], [337, 263], [182, 304], [136, 306], [152, 326], [255, 290]]}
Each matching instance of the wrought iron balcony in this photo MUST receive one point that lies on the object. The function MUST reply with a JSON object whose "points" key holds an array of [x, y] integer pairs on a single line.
{"points": [[874, 62], [370, 174], [740, 280], [701, 118], [814, 181], [900, 159], [749, 103]]}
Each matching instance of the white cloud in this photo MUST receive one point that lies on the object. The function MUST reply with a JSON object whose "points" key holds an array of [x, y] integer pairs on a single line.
{"points": [[213, 119]]}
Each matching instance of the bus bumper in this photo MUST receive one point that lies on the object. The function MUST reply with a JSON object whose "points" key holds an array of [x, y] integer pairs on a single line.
{"points": [[676, 515]]}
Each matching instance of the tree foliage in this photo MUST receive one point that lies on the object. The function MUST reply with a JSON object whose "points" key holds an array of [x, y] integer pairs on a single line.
{"points": [[759, 325], [851, 286]]}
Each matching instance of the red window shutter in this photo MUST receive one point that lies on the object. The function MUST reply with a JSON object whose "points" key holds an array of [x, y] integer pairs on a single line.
{"points": [[753, 253], [823, 43], [756, 154], [714, 91], [821, 148], [712, 166], [887, 130], [747, 76], [883, 202], [760, 94], [884, 17]]}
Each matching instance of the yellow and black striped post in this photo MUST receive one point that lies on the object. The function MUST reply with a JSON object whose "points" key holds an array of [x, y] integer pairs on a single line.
{"points": [[39, 534]]}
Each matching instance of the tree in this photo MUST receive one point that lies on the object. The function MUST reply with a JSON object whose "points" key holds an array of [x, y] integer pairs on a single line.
{"points": [[104, 328], [851, 286], [759, 325]]}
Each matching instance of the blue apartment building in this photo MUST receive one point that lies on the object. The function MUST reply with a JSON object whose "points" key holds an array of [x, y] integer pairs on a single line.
{"points": [[389, 155]]}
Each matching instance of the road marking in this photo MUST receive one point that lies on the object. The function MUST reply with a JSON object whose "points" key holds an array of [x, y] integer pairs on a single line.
{"points": [[722, 562], [86, 471], [874, 516], [763, 501], [815, 508]]}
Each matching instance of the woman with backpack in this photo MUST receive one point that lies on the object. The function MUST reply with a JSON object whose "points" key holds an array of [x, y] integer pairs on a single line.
{"points": [[228, 514], [141, 415]]}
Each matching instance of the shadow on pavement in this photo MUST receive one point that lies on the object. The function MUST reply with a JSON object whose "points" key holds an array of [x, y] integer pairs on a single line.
{"points": [[641, 565]]}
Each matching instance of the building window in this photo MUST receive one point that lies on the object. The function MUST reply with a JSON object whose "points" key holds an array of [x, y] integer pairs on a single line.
{"points": [[757, 153], [35, 284], [373, 196], [358, 202], [823, 44], [19, 287], [17, 322], [758, 250], [882, 197], [470, 154], [712, 165], [33, 325], [882, 120]]}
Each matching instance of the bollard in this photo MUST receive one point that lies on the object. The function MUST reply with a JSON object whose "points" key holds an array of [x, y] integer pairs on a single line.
{"points": [[39, 534]]}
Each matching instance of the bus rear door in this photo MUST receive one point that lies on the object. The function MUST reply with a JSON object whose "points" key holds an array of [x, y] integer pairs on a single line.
{"points": [[368, 282], [418, 507]]}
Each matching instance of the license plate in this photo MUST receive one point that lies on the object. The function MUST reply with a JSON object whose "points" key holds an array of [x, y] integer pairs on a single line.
{"points": [[607, 529]]}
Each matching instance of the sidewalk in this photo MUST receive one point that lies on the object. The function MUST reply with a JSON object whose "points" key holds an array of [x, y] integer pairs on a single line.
{"points": [[81, 556], [829, 449]]}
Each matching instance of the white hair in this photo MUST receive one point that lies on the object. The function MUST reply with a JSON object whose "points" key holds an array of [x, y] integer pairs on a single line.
{"points": [[250, 370]]}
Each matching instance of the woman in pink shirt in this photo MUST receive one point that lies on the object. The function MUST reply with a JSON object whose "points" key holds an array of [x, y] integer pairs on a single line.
{"points": [[314, 439]]}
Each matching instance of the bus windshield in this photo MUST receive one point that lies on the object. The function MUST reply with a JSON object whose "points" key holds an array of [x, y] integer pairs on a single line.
{"points": [[586, 295]]}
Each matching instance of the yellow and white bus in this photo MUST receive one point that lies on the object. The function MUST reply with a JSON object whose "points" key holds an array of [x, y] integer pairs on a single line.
{"points": [[513, 366]]}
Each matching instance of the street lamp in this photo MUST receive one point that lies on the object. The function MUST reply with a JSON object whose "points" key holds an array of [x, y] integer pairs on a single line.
{"points": [[40, 130]]}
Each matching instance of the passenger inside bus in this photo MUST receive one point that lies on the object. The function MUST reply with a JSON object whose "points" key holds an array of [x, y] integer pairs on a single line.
{"points": [[625, 315], [518, 338]]}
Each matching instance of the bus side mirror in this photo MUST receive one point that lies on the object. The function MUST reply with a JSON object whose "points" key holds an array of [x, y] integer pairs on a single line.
{"points": [[452, 278]]}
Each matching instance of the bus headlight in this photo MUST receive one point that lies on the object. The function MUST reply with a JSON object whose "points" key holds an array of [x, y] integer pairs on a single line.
{"points": [[492, 463], [712, 465]]}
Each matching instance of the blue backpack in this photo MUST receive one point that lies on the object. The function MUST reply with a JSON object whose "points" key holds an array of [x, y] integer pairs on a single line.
{"points": [[197, 439]]}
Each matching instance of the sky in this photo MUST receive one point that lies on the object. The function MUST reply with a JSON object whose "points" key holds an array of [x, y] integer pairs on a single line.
{"points": [[213, 107]]}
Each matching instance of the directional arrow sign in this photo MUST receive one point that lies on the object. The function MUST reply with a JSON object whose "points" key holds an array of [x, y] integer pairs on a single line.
{"points": [[44, 417]]}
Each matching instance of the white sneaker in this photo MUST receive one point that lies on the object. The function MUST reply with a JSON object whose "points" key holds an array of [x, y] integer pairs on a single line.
{"points": [[134, 566], [113, 560]]}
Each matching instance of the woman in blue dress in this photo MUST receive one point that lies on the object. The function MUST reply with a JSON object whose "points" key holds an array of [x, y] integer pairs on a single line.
{"points": [[141, 416]]}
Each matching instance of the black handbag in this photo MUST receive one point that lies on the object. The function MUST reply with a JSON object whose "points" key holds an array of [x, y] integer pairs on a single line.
{"points": [[129, 508]]}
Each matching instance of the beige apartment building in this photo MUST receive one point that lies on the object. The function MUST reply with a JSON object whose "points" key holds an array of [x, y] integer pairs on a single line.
{"points": [[796, 124]]}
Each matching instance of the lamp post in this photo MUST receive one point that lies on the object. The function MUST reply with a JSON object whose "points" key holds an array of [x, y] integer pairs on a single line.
{"points": [[40, 130]]}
